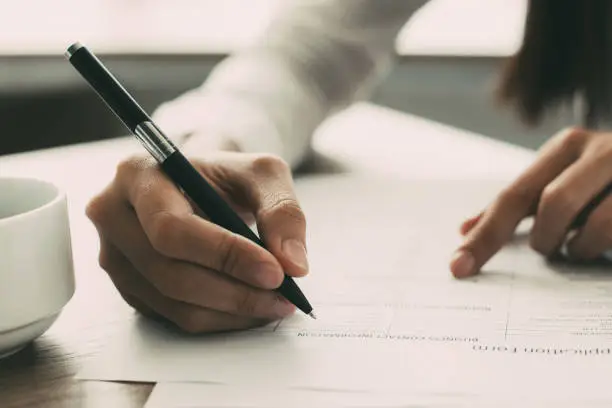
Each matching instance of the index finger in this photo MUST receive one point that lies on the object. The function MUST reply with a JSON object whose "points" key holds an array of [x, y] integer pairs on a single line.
{"points": [[517, 201], [176, 232]]}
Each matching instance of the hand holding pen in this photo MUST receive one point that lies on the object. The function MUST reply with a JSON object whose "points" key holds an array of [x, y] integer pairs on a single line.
{"points": [[172, 234]]}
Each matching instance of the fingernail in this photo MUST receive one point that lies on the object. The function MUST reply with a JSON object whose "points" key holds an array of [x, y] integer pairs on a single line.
{"points": [[283, 307], [462, 264], [295, 251]]}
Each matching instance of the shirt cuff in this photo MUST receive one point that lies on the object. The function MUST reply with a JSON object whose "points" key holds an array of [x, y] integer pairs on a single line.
{"points": [[217, 120]]}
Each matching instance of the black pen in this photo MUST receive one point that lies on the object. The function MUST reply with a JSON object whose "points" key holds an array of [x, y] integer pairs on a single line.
{"points": [[170, 159]]}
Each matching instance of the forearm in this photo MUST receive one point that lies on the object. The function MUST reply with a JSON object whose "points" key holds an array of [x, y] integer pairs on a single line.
{"points": [[316, 58]]}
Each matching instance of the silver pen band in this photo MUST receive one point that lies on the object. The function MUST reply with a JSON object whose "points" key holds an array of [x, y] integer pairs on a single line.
{"points": [[154, 141]]}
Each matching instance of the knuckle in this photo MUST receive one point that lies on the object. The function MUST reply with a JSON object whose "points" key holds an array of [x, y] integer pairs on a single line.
{"points": [[291, 208], [164, 231], [287, 206], [126, 167], [601, 149], [573, 138], [550, 195], [267, 164], [95, 209], [228, 251], [131, 165], [105, 259], [557, 199], [515, 196], [246, 303]]}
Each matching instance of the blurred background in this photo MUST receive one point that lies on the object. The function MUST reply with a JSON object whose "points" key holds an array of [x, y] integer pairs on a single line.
{"points": [[449, 55]]}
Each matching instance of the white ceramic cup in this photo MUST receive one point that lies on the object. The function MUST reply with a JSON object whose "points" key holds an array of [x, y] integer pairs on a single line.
{"points": [[36, 267]]}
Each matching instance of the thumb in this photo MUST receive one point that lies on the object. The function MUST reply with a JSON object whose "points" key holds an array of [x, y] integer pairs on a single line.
{"points": [[281, 222], [282, 226]]}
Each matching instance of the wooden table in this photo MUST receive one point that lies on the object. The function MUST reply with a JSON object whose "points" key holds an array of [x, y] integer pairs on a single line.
{"points": [[363, 138]]}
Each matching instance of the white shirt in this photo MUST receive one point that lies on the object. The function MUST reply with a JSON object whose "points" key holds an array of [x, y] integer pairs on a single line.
{"points": [[316, 57]]}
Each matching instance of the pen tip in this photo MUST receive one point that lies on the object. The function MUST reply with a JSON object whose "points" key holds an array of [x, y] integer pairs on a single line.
{"points": [[313, 315]]}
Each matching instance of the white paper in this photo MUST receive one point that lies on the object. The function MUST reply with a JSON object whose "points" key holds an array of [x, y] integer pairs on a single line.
{"points": [[192, 395], [391, 318], [199, 395]]}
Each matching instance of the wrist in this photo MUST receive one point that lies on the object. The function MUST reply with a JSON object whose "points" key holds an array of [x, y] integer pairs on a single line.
{"points": [[198, 143]]}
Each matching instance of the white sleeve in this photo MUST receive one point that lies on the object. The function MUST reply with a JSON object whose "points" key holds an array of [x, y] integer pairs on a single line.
{"points": [[316, 57]]}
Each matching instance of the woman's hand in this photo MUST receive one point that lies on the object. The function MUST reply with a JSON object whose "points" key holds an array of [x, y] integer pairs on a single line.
{"points": [[571, 169], [167, 261]]}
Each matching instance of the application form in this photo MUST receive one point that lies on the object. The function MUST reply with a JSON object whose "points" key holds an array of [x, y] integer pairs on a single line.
{"points": [[392, 318]]}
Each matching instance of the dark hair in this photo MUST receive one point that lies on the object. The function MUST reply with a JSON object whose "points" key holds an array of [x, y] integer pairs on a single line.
{"points": [[566, 52]]}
